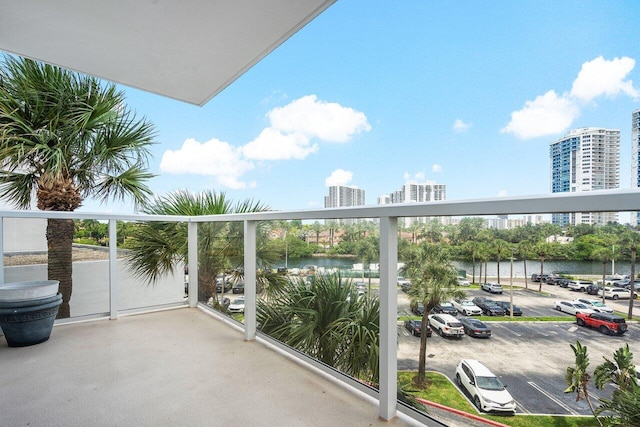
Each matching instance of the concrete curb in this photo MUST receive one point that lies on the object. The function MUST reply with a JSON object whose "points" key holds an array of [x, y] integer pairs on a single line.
{"points": [[461, 413]]}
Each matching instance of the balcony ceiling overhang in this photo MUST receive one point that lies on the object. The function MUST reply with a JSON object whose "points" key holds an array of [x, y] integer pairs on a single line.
{"points": [[189, 50]]}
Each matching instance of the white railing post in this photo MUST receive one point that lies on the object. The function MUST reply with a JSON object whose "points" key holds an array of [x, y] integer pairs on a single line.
{"points": [[113, 270], [192, 254], [1, 249], [388, 317], [250, 280]]}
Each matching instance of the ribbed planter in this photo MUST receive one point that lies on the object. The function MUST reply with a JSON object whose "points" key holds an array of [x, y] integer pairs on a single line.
{"points": [[28, 310], [28, 322]]}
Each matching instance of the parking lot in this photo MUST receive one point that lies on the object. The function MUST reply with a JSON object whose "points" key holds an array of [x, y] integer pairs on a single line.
{"points": [[530, 357]]}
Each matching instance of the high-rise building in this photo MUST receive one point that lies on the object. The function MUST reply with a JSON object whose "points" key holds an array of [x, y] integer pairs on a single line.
{"points": [[635, 158], [343, 196], [586, 159], [415, 193]]}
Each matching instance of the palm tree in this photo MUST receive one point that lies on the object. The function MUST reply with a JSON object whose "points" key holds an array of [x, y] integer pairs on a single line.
{"points": [[625, 402], [155, 248], [543, 250], [605, 255], [631, 239], [524, 249], [328, 321], [66, 137], [577, 377], [434, 280]]}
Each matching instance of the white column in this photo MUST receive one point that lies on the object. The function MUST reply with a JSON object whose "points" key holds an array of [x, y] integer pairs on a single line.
{"points": [[113, 270], [388, 317], [1, 249], [249, 280], [192, 255]]}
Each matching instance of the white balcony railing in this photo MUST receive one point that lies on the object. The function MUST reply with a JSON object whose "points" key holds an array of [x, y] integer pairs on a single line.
{"points": [[604, 201]]}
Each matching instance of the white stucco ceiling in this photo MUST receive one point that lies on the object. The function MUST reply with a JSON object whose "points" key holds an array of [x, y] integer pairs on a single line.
{"points": [[188, 50]]}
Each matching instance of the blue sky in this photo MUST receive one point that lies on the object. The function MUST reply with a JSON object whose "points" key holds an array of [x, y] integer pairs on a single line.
{"points": [[375, 94]]}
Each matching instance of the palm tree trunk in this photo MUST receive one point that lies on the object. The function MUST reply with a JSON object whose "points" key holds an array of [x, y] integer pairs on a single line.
{"points": [[498, 268], [541, 273], [421, 379], [59, 244], [526, 283], [632, 282], [473, 269]]}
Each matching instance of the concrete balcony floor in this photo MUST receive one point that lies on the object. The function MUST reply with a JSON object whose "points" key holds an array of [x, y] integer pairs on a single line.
{"points": [[176, 367]]}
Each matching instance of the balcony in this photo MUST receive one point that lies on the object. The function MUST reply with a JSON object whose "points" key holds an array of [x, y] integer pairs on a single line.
{"points": [[168, 359]]}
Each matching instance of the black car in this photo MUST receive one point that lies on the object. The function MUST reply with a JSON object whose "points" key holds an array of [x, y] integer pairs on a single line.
{"points": [[446, 308], [506, 305], [238, 288], [593, 289], [415, 327], [475, 328], [488, 306], [417, 308], [227, 287]]}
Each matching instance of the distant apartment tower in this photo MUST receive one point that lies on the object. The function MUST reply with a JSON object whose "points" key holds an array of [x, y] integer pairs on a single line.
{"points": [[586, 159], [343, 196], [635, 158], [415, 193]]}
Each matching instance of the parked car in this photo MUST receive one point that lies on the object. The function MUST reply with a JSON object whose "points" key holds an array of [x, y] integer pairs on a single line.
{"points": [[466, 307], [462, 281], [404, 284], [219, 287], [617, 293], [579, 285], [474, 327], [494, 288], [594, 289], [595, 305], [237, 306], [572, 307], [627, 284], [563, 283], [238, 288], [554, 280], [445, 307], [607, 323], [535, 277], [488, 306], [506, 305], [417, 308], [485, 389], [415, 327], [446, 325]]}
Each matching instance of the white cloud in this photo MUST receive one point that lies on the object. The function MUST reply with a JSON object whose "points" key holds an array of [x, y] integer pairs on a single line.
{"points": [[601, 77], [339, 177], [436, 168], [418, 178], [327, 121], [294, 132], [272, 144], [548, 114], [551, 113], [212, 158], [460, 126]]}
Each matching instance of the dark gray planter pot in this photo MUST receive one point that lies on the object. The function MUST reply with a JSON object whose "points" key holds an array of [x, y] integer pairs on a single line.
{"points": [[27, 323]]}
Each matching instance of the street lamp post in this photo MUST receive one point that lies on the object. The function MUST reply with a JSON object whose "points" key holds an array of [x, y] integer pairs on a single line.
{"points": [[511, 287]]}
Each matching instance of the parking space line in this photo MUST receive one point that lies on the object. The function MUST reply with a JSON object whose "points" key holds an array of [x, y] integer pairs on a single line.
{"points": [[562, 405]]}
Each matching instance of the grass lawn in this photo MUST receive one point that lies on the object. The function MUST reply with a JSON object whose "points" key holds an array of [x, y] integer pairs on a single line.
{"points": [[442, 391]]}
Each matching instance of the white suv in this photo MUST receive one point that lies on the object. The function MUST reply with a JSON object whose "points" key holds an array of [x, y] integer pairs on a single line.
{"points": [[446, 325], [615, 293], [485, 389]]}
